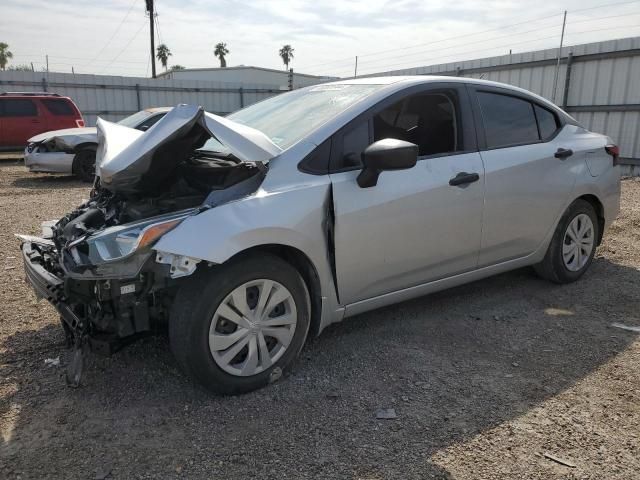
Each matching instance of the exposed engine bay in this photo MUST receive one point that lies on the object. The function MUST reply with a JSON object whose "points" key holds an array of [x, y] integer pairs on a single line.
{"points": [[96, 264]]}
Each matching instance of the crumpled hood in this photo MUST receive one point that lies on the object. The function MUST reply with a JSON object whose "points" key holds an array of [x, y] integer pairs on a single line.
{"points": [[130, 161], [70, 136]]}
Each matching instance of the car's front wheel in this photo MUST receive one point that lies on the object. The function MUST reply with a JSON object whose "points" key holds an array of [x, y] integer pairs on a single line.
{"points": [[84, 164], [573, 244], [237, 327]]}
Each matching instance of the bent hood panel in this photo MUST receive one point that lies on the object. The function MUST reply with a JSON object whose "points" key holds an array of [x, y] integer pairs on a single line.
{"points": [[69, 136], [131, 161]]}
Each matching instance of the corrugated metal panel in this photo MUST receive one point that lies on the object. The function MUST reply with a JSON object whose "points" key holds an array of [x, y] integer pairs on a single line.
{"points": [[611, 78], [113, 98]]}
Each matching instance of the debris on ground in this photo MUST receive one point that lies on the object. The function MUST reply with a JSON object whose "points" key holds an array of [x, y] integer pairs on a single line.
{"points": [[629, 328], [386, 414], [559, 460], [52, 362]]}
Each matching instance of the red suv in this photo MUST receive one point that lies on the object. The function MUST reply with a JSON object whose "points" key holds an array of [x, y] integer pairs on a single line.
{"points": [[25, 114]]}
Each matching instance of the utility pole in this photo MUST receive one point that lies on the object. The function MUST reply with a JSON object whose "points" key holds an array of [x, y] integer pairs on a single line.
{"points": [[555, 76], [355, 71], [47, 57], [153, 48]]}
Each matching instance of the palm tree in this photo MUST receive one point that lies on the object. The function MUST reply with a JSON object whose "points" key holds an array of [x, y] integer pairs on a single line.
{"points": [[5, 55], [163, 53], [286, 53], [176, 67], [220, 52]]}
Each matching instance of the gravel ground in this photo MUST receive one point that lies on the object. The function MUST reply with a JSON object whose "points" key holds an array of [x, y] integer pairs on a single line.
{"points": [[485, 380]]}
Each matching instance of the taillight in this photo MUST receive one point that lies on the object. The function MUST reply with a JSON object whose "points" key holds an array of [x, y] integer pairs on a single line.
{"points": [[614, 151], [80, 123]]}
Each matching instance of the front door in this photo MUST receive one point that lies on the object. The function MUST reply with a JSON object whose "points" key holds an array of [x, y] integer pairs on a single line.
{"points": [[413, 226], [20, 121]]}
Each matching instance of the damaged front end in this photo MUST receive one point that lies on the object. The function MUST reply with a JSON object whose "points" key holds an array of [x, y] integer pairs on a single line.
{"points": [[53, 152], [97, 264]]}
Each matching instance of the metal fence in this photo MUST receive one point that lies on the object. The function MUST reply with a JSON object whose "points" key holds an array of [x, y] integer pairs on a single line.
{"points": [[113, 97], [598, 83]]}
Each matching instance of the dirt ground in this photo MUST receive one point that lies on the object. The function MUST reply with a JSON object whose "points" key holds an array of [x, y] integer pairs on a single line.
{"points": [[485, 380]]}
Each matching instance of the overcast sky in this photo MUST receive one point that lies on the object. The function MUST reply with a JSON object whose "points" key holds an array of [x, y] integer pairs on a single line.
{"points": [[112, 36]]}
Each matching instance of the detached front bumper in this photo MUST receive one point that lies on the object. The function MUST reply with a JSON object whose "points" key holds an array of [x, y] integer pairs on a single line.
{"points": [[46, 285]]}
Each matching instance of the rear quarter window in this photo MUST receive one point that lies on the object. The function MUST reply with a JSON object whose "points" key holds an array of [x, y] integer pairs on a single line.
{"points": [[59, 106], [547, 121], [507, 120], [18, 107]]}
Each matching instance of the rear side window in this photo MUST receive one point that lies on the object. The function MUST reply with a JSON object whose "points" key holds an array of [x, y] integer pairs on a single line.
{"points": [[547, 122], [58, 106], [18, 107], [507, 120]]}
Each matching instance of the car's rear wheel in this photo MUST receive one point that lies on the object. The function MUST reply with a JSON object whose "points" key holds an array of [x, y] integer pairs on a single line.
{"points": [[84, 165], [573, 244], [237, 327]]}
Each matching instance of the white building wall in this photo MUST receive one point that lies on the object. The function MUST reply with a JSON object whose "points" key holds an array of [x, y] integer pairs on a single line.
{"points": [[274, 78]]}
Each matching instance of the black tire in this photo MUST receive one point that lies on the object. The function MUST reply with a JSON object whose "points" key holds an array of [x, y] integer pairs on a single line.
{"points": [[84, 165], [198, 299], [553, 267]]}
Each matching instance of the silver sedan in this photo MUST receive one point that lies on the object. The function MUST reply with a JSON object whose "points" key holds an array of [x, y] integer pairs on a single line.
{"points": [[247, 235]]}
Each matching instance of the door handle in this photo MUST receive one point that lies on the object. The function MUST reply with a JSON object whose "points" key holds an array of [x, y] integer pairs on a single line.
{"points": [[563, 153], [463, 178]]}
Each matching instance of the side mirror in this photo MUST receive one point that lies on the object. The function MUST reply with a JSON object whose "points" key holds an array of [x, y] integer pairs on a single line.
{"points": [[143, 128], [386, 154]]}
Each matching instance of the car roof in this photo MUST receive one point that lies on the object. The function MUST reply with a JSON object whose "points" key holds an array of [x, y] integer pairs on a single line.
{"points": [[408, 80], [31, 95], [157, 109]]}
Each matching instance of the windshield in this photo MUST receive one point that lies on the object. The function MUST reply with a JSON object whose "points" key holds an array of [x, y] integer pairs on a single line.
{"points": [[132, 121], [288, 117]]}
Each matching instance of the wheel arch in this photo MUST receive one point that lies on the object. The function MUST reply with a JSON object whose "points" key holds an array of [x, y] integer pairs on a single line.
{"points": [[597, 205], [85, 146], [307, 270]]}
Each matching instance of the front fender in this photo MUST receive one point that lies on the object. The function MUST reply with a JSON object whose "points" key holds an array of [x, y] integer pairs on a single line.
{"points": [[293, 218]]}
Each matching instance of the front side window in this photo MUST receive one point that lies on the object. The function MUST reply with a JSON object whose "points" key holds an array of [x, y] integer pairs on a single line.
{"points": [[19, 107], [428, 120], [507, 120]]}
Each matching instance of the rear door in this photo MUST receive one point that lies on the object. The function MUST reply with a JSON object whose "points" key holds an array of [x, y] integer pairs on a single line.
{"points": [[413, 226], [60, 113], [21, 120], [526, 186]]}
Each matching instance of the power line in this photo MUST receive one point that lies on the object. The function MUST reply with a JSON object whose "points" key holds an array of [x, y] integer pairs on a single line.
{"points": [[124, 48], [504, 46], [114, 33], [350, 59], [383, 59]]}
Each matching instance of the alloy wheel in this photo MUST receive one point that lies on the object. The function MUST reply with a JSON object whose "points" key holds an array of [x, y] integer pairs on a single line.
{"points": [[252, 327], [579, 242]]}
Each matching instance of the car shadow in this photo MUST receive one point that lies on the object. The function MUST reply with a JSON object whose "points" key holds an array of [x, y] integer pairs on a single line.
{"points": [[452, 365]]}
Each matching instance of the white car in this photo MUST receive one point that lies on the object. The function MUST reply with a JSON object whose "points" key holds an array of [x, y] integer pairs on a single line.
{"points": [[73, 150]]}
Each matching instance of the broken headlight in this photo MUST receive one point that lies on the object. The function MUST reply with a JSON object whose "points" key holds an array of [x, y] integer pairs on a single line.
{"points": [[116, 243]]}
